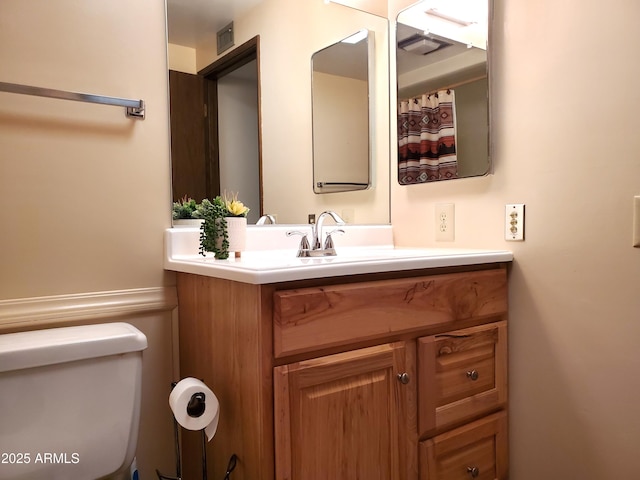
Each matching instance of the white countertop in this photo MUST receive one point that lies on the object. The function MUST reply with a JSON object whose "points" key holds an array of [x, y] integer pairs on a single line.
{"points": [[271, 255]]}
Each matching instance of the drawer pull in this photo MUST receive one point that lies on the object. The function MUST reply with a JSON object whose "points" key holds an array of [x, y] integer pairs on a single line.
{"points": [[450, 335], [472, 374], [473, 471], [403, 378]]}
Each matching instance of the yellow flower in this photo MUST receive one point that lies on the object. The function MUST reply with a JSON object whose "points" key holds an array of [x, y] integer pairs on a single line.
{"points": [[236, 208]]}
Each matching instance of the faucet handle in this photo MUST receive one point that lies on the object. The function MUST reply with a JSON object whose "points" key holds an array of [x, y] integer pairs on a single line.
{"points": [[304, 247], [328, 243], [295, 232]]}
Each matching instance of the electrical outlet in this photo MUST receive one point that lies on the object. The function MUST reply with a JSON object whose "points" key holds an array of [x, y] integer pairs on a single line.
{"points": [[311, 218], [514, 222], [445, 222]]}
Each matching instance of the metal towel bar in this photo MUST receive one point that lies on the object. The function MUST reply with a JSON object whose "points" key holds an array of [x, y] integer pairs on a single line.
{"points": [[135, 108], [339, 184]]}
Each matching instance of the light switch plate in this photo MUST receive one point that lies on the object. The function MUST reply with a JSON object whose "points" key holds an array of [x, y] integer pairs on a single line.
{"points": [[514, 222]]}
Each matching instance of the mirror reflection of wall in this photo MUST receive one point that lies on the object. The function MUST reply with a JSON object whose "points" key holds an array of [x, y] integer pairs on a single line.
{"points": [[340, 95], [239, 162], [443, 101], [289, 33]]}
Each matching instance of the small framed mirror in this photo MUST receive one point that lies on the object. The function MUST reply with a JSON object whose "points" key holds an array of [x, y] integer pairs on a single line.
{"points": [[340, 114], [443, 90]]}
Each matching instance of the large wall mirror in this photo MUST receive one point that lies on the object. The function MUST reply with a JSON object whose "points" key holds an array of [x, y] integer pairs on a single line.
{"points": [[340, 95], [289, 33], [443, 92]]}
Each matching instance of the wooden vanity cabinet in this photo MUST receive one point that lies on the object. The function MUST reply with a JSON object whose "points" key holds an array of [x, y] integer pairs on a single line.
{"points": [[376, 376]]}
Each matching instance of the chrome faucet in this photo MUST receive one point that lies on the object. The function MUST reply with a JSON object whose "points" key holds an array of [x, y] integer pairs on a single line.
{"points": [[263, 219], [317, 248], [316, 230]]}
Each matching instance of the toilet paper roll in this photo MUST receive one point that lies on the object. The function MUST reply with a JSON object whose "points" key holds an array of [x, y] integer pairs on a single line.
{"points": [[192, 390]]}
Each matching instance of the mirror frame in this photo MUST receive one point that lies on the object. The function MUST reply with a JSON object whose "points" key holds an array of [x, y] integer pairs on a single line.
{"points": [[485, 165], [323, 122]]}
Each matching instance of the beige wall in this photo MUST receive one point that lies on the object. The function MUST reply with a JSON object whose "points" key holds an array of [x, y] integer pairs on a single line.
{"points": [[341, 128], [566, 144], [86, 191], [182, 59], [84, 188]]}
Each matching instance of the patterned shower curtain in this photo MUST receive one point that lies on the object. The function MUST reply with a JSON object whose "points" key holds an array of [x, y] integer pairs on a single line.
{"points": [[426, 138]]}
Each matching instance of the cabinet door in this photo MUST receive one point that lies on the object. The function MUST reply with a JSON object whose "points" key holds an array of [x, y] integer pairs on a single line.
{"points": [[477, 451], [347, 416], [462, 376]]}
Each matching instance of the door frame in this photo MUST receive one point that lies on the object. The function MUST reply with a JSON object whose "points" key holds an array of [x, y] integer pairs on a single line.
{"points": [[240, 56]]}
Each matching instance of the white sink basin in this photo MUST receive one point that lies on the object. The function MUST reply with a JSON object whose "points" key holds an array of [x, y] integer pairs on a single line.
{"points": [[279, 265]]}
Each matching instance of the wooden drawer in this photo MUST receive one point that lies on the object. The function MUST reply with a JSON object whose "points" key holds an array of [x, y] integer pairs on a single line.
{"points": [[310, 319], [461, 375], [475, 451]]}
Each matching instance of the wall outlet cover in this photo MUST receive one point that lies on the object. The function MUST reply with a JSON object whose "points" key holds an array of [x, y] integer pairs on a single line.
{"points": [[444, 222]]}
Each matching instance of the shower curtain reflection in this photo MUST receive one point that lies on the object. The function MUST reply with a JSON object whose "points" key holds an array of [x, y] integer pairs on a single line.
{"points": [[427, 138]]}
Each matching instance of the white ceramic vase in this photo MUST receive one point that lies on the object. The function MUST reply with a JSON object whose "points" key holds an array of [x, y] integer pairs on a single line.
{"points": [[187, 223], [237, 234]]}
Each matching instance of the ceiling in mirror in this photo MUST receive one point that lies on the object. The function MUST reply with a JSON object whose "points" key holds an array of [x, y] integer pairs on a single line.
{"points": [[443, 108], [191, 20]]}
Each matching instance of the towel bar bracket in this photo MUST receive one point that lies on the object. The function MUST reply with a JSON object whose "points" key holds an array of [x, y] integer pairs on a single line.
{"points": [[136, 112]]}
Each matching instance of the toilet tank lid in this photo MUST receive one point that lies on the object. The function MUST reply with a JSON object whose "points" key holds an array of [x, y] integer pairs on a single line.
{"points": [[37, 348]]}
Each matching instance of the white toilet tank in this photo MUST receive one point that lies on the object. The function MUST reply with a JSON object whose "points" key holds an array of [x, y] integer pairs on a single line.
{"points": [[70, 401]]}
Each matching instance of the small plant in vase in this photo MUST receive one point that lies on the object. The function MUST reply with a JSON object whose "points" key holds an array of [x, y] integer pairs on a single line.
{"points": [[185, 212], [236, 220], [214, 231]]}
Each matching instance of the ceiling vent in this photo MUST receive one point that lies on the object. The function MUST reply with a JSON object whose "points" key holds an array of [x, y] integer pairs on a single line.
{"points": [[421, 44], [225, 38]]}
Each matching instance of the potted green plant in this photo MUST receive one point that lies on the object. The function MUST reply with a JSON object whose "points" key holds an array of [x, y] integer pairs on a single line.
{"points": [[224, 226], [185, 213]]}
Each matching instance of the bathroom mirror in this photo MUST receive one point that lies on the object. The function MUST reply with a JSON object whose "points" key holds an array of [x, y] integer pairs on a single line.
{"points": [[290, 32], [340, 109], [443, 90]]}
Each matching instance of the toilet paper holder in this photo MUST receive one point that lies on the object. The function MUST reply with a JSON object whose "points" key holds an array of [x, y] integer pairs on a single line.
{"points": [[196, 405], [195, 408]]}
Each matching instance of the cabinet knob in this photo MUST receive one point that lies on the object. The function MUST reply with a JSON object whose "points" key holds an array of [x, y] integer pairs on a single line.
{"points": [[403, 378], [473, 471], [472, 374]]}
